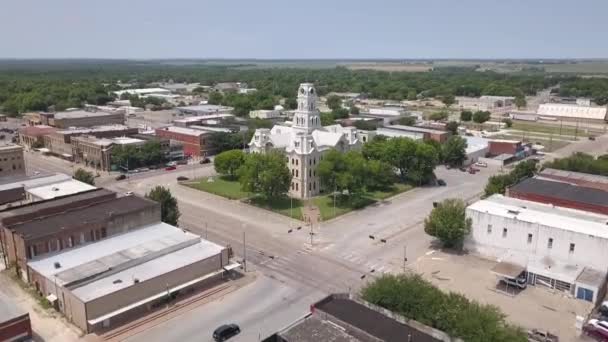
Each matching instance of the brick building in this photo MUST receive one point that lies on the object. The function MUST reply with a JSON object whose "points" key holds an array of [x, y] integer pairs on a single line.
{"points": [[33, 136], [92, 151], [76, 118], [194, 141], [11, 160], [577, 178], [561, 194], [14, 322], [60, 142], [31, 231], [415, 133], [498, 147]]}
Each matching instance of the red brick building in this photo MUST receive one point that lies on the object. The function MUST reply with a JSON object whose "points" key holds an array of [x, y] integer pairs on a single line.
{"points": [[14, 322], [578, 178], [561, 194], [498, 147], [194, 141], [49, 226]]}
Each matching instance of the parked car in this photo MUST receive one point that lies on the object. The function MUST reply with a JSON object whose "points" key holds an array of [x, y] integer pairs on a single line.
{"points": [[226, 331], [541, 336], [520, 282], [182, 178], [182, 162], [481, 164], [441, 182], [129, 193], [205, 161], [172, 163], [473, 170], [463, 169], [170, 168], [598, 325], [598, 335], [591, 137]]}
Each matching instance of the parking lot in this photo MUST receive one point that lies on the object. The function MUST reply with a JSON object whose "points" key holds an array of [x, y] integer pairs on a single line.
{"points": [[531, 308]]}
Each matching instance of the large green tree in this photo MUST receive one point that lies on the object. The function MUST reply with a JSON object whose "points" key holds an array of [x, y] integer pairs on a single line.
{"points": [[229, 162], [334, 102], [84, 176], [265, 174], [454, 151], [481, 116], [419, 300], [452, 127], [466, 115], [448, 223], [168, 204]]}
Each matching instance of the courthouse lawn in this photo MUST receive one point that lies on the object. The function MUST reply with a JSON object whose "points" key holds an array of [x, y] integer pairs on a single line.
{"points": [[231, 189]]}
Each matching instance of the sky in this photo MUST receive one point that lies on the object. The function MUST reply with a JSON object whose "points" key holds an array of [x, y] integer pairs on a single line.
{"points": [[303, 29]]}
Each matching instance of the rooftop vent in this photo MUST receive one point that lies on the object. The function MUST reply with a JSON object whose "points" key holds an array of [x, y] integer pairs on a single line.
{"points": [[117, 281], [135, 280], [55, 188], [514, 212], [57, 264]]}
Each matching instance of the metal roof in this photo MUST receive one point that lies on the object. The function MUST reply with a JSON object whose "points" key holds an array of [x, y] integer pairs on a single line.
{"points": [[575, 175]]}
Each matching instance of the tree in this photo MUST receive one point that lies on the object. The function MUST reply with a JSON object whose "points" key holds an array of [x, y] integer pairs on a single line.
{"points": [[354, 110], [84, 176], [169, 211], [215, 98], [229, 162], [265, 174], [508, 122], [438, 116], [334, 102], [452, 127], [340, 113], [417, 299], [401, 154], [327, 119], [448, 99], [407, 120], [454, 151], [448, 223], [291, 103], [222, 141], [499, 183], [481, 116], [466, 115], [411, 95], [520, 101], [366, 125]]}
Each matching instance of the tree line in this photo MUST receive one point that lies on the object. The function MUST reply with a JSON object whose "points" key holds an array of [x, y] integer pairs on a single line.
{"points": [[581, 162], [25, 87]]}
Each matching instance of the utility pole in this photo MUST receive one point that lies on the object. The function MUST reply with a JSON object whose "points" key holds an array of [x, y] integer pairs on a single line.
{"points": [[244, 253], [576, 131], [404, 257]]}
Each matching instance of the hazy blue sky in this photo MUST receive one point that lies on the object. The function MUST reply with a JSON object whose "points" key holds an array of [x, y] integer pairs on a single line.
{"points": [[303, 29]]}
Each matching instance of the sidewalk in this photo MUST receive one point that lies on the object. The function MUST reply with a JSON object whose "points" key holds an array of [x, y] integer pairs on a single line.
{"points": [[175, 310]]}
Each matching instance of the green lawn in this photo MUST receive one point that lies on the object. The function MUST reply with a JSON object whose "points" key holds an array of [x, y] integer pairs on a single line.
{"points": [[293, 207], [566, 130], [220, 186]]}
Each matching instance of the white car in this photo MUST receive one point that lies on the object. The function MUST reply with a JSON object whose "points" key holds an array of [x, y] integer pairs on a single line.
{"points": [[481, 164], [600, 325], [129, 193]]}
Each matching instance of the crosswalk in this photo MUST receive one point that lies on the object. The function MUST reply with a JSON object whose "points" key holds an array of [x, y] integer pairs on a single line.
{"points": [[361, 260]]}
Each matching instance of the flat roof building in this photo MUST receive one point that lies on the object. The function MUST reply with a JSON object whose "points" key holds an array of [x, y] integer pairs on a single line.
{"points": [[561, 194], [142, 91], [494, 104], [576, 178], [572, 111], [14, 322], [193, 140], [344, 318], [89, 219], [81, 118], [102, 284], [202, 110], [556, 247], [33, 136], [11, 160], [415, 133]]}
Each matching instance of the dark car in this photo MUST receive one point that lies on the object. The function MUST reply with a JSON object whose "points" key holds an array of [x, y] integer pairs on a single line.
{"points": [[205, 161], [170, 168], [225, 332], [463, 169], [120, 177], [441, 182], [182, 178], [591, 137]]}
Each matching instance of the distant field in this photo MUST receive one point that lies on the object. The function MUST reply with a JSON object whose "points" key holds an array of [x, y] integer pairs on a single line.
{"points": [[391, 67]]}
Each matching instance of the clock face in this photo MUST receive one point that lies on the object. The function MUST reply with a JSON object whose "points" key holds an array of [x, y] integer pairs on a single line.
{"points": [[302, 90]]}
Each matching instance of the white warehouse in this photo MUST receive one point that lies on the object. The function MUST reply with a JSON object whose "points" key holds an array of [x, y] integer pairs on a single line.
{"points": [[564, 249]]}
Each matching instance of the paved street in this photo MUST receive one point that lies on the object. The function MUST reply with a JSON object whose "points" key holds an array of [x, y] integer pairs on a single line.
{"points": [[342, 257]]}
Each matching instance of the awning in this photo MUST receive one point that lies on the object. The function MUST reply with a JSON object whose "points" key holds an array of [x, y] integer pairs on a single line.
{"points": [[51, 298], [232, 266], [507, 269]]}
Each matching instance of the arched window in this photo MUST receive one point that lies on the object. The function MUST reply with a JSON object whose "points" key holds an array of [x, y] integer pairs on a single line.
{"points": [[309, 187], [296, 186], [296, 173]]}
